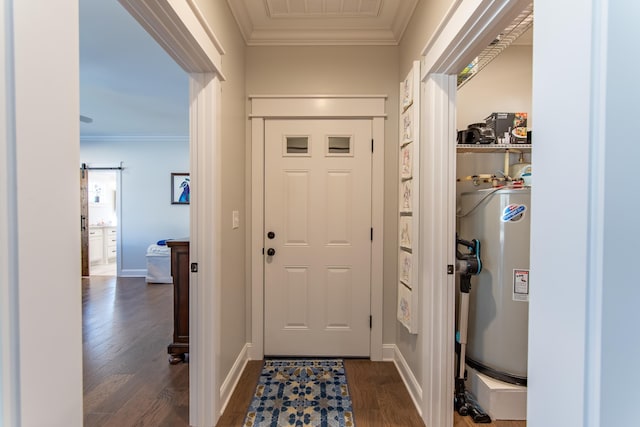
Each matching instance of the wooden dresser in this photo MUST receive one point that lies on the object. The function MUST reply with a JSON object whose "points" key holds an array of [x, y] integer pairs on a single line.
{"points": [[180, 271]]}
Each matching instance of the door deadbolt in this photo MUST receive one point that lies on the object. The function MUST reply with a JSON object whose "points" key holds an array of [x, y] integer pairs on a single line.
{"points": [[271, 235]]}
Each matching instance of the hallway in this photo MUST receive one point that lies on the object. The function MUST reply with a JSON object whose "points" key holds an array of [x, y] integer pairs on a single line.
{"points": [[127, 325]]}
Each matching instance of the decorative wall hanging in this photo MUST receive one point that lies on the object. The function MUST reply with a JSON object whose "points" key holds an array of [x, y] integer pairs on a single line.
{"points": [[180, 189], [409, 153]]}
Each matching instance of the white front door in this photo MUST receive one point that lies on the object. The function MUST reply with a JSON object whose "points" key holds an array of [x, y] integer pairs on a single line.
{"points": [[318, 225]]}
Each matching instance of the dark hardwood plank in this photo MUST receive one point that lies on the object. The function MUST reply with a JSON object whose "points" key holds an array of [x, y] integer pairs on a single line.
{"points": [[459, 421], [233, 414], [128, 380]]}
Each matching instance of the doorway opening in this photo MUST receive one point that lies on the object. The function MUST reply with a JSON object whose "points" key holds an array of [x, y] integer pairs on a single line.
{"points": [[103, 223]]}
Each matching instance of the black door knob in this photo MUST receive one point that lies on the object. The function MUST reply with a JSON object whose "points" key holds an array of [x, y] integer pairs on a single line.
{"points": [[271, 252], [271, 235]]}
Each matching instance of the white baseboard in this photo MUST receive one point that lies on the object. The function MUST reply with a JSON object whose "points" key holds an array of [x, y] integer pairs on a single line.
{"points": [[230, 382], [388, 352], [254, 353], [138, 272], [413, 387]]}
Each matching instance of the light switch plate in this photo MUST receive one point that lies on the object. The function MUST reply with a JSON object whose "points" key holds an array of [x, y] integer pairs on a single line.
{"points": [[235, 220]]}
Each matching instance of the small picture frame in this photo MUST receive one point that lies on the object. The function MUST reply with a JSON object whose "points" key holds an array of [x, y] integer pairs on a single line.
{"points": [[404, 268], [406, 196], [406, 161], [405, 306], [407, 126], [406, 232], [406, 90], [180, 188]]}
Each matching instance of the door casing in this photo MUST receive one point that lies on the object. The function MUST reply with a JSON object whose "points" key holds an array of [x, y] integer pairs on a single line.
{"points": [[267, 107]]}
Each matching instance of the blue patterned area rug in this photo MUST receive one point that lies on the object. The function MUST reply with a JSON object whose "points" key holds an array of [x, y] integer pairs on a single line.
{"points": [[292, 392]]}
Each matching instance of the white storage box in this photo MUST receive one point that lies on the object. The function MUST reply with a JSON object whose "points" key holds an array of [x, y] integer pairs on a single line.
{"points": [[159, 264]]}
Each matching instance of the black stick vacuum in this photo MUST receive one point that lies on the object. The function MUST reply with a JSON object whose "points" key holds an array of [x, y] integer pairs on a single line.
{"points": [[467, 264]]}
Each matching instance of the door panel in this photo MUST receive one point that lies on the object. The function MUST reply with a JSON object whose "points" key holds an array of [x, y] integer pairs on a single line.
{"points": [[318, 204]]}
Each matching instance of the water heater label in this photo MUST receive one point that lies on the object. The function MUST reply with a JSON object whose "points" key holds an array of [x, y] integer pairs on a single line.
{"points": [[513, 213], [520, 285]]}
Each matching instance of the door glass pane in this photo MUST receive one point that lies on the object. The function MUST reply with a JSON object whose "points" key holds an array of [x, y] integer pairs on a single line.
{"points": [[297, 144], [339, 145]]}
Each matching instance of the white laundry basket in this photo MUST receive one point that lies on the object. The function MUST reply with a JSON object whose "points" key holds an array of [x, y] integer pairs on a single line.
{"points": [[158, 264]]}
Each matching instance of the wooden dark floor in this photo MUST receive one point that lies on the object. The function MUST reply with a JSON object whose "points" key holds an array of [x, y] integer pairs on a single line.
{"points": [[128, 381]]}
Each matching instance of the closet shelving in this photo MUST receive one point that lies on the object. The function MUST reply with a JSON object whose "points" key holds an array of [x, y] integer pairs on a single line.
{"points": [[493, 148]]}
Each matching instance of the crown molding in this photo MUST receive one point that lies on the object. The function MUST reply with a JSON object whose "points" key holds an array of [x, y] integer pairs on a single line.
{"points": [[322, 37], [258, 29], [182, 31], [134, 138]]}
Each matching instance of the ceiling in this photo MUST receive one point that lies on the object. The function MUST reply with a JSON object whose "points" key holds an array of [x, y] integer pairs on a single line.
{"points": [[131, 88], [326, 22], [129, 85]]}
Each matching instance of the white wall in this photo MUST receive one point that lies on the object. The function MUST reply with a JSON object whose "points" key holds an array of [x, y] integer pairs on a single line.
{"points": [[47, 232], [620, 293], [234, 263], [425, 19], [502, 86], [352, 70], [147, 212], [583, 308]]}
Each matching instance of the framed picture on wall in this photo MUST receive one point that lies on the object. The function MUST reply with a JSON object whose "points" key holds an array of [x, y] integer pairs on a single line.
{"points": [[406, 161], [406, 196], [180, 189]]}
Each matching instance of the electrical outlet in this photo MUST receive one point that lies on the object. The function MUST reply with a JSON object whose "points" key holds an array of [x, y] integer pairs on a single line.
{"points": [[235, 219]]}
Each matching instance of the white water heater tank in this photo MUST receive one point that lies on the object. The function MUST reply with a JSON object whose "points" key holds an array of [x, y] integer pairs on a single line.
{"points": [[499, 297]]}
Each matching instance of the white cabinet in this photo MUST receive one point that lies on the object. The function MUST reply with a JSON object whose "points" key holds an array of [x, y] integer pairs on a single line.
{"points": [[102, 244], [96, 245], [110, 243]]}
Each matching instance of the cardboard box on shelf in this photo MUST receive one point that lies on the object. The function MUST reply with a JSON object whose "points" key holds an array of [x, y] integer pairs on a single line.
{"points": [[508, 127]]}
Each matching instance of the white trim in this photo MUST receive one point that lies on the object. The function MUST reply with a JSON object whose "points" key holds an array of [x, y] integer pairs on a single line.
{"points": [[134, 138], [597, 218], [9, 328], [178, 27], [205, 249], [377, 246], [315, 106], [230, 383], [318, 95], [409, 380], [437, 221], [257, 233], [467, 28], [386, 32], [133, 272], [119, 244], [388, 352], [205, 25]]}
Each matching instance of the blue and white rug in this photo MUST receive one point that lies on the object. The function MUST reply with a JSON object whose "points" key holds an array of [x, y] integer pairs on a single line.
{"points": [[292, 392]]}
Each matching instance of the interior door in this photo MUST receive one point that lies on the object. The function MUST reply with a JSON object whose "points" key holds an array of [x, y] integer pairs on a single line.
{"points": [[84, 218], [317, 237]]}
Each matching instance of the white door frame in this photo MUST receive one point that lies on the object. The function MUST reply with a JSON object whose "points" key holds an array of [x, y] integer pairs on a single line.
{"points": [[181, 29], [468, 27], [315, 107]]}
